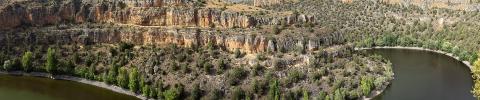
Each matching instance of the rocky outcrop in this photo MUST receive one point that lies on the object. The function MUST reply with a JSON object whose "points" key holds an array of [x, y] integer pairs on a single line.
{"points": [[22, 13], [192, 38]]}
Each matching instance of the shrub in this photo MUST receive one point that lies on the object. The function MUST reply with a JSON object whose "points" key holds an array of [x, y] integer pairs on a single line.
{"points": [[8, 65], [276, 30], [339, 95], [173, 93], [261, 57], [235, 75], [112, 74], [277, 64], [221, 66], [214, 95], [125, 46], [237, 93], [122, 78], [196, 92], [257, 69], [27, 61], [69, 67], [184, 68], [294, 76], [133, 77], [51, 64], [207, 67], [237, 53], [366, 85], [153, 92], [146, 90], [274, 90], [321, 96], [305, 94]]}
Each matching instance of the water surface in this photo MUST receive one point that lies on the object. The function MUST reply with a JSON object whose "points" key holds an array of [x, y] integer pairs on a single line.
{"points": [[35, 88], [423, 75]]}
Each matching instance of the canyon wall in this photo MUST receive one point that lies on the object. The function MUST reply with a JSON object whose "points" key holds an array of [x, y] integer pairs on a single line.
{"points": [[230, 41], [20, 14]]}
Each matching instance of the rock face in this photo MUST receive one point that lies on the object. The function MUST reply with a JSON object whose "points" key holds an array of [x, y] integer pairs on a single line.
{"points": [[185, 37], [151, 22], [143, 12]]}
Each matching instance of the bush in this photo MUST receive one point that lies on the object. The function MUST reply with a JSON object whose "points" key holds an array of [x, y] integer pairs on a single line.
{"points": [[294, 76], [196, 92], [339, 94], [207, 67], [277, 64], [261, 57], [321, 96], [27, 61], [237, 53], [235, 75], [153, 92], [112, 74], [214, 95], [237, 93], [257, 69], [221, 66], [173, 93], [69, 67], [8, 65], [51, 64], [125, 46], [146, 90], [366, 84], [133, 77], [122, 78], [274, 90], [305, 94], [276, 30]]}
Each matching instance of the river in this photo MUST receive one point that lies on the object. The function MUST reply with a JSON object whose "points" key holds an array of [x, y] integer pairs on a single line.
{"points": [[424, 75], [36, 88]]}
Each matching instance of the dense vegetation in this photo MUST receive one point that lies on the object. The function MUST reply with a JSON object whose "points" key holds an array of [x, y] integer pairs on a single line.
{"points": [[208, 72], [373, 24]]}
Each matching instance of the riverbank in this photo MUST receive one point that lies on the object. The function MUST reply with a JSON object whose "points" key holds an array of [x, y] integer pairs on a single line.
{"points": [[378, 92], [76, 79], [424, 49]]}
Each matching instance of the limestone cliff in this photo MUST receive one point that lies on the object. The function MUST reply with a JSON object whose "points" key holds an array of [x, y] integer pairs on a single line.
{"points": [[246, 42], [33, 13]]}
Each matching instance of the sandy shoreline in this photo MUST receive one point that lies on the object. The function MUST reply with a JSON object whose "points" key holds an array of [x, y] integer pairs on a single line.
{"points": [[378, 92], [76, 79]]}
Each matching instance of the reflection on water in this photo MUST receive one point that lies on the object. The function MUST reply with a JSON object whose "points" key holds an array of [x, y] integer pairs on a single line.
{"points": [[35, 88], [423, 75]]}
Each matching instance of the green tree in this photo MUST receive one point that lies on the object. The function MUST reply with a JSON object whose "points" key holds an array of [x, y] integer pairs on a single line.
{"points": [[122, 78], [173, 93], [274, 90], [476, 77], [305, 94], [339, 95], [27, 61], [237, 93], [112, 74], [133, 83], [8, 65], [237, 53], [146, 90], [366, 85], [235, 75], [196, 92], [321, 95], [51, 64]]}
